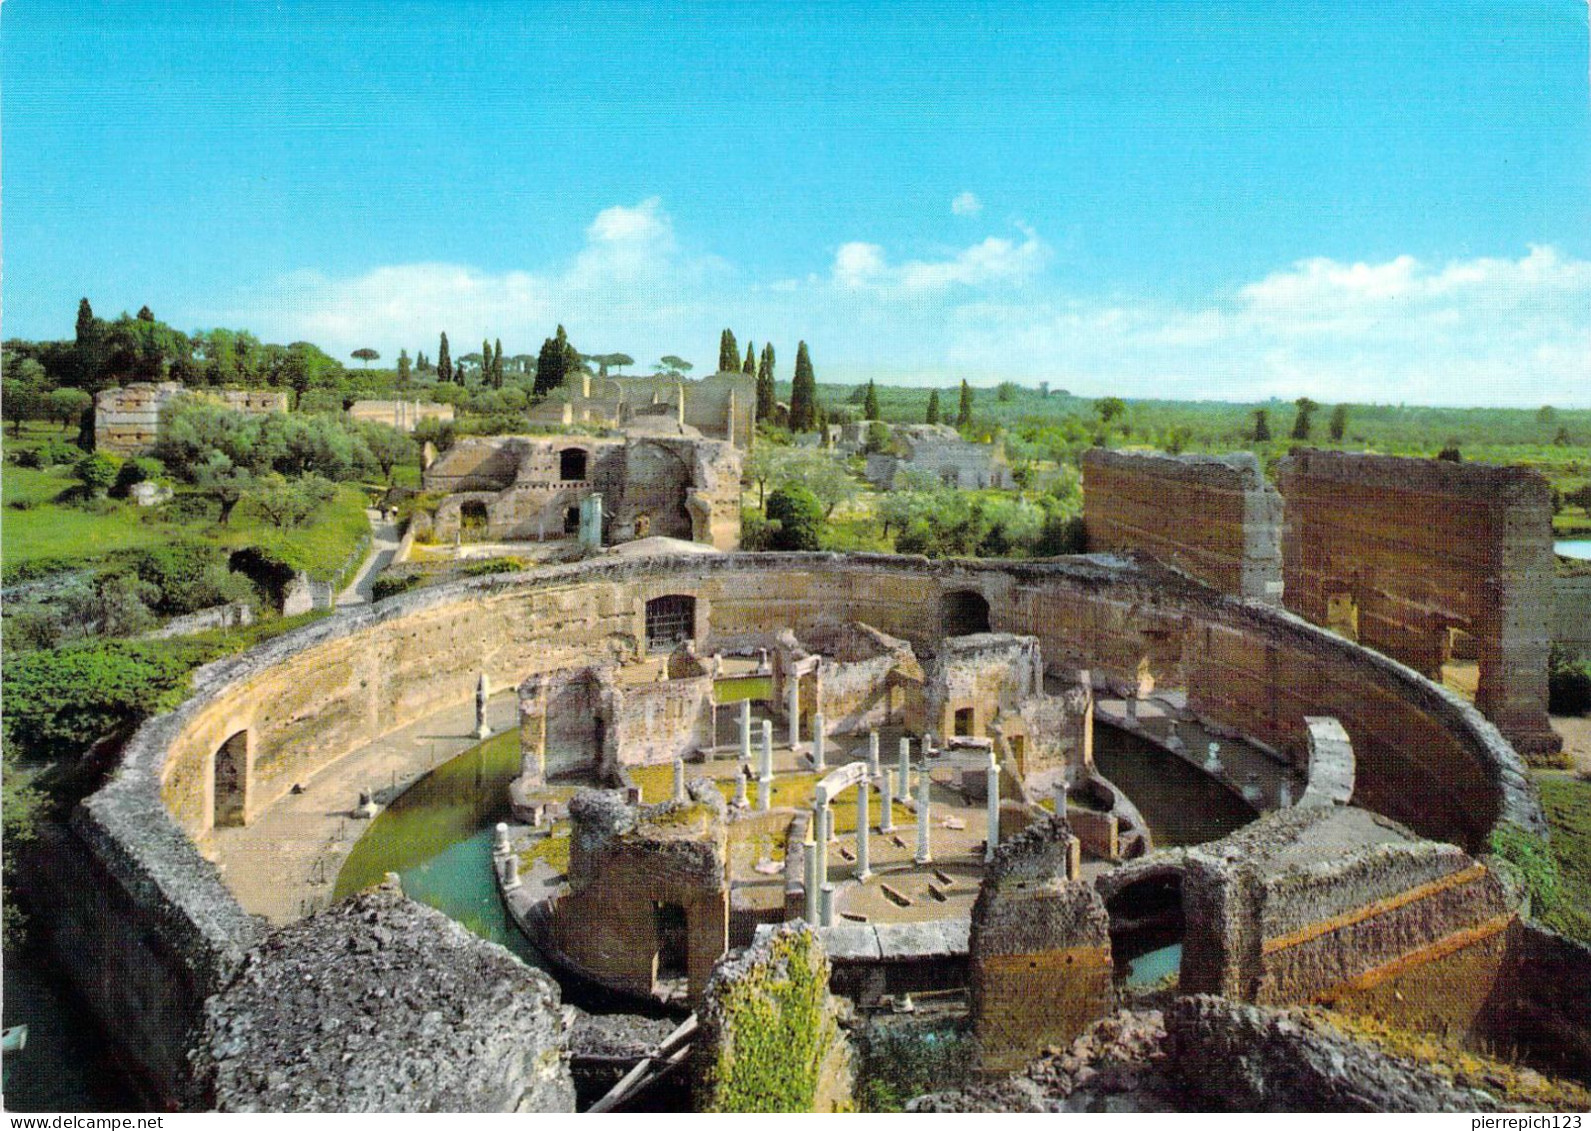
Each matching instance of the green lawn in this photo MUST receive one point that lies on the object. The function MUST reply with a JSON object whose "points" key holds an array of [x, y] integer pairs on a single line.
{"points": [[50, 535], [67, 535], [1567, 801]]}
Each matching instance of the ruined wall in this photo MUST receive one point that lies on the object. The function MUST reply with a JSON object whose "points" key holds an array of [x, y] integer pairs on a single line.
{"points": [[405, 416], [651, 486], [771, 1039], [1341, 906], [309, 697], [939, 451], [127, 420], [989, 674], [659, 722], [641, 857], [1398, 552], [856, 691], [1213, 517], [1039, 952], [1571, 615]]}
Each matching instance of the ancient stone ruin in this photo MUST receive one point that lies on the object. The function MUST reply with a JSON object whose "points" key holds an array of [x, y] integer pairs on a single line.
{"points": [[127, 420], [534, 488]]}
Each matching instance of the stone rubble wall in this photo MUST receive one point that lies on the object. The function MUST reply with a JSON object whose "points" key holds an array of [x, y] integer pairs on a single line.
{"points": [[405, 416], [1420, 547], [1213, 517], [1571, 615], [127, 420], [232, 615], [311, 696]]}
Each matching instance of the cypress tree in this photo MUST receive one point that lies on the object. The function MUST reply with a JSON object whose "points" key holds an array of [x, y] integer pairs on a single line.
{"points": [[497, 365], [750, 365], [933, 407], [1339, 422], [90, 345], [444, 362], [964, 413], [1262, 425], [1303, 423], [870, 405], [765, 395], [803, 393], [728, 353]]}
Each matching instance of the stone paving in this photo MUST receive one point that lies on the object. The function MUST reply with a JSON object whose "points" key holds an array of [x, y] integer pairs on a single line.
{"points": [[285, 863]]}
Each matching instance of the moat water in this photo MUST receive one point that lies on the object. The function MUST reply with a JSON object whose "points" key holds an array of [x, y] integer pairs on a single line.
{"points": [[437, 836], [1574, 548], [1182, 804]]}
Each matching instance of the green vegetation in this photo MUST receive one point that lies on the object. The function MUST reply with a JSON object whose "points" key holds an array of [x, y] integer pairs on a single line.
{"points": [[797, 519], [898, 1062], [777, 1034], [1555, 873]]}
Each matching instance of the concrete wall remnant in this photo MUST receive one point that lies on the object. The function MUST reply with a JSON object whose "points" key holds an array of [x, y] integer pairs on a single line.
{"points": [[1039, 956], [937, 450], [380, 1004], [534, 487], [771, 1039], [1213, 517], [405, 416], [127, 420], [1423, 559]]}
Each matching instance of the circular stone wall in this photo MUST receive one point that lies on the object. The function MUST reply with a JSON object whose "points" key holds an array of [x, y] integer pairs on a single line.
{"points": [[280, 713]]}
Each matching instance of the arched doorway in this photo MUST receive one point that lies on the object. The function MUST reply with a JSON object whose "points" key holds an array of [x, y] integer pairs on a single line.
{"points": [[473, 519], [1146, 930], [231, 782], [964, 612]]}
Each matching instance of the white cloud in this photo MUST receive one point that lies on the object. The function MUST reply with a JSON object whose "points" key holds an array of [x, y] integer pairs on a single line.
{"points": [[995, 261], [1483, 330], [966, 204]]}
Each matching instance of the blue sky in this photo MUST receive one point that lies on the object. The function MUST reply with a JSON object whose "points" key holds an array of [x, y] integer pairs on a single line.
{"points": [[1150, 199]]}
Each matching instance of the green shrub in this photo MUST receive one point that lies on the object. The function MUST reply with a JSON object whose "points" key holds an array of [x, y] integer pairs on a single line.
{"points": [[135, 471], [899, 1062], [390, 585], [800, 519], [188, 576], [58, 703], [96, 471], [1568, 684]]}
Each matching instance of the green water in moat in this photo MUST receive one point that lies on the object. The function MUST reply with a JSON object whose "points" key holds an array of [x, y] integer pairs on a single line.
{"points": [[437, 836], [1182, 804]]}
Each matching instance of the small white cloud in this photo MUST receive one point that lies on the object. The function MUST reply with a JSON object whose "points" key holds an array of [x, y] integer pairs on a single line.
{"points": [[863, 266], [967, 204]]}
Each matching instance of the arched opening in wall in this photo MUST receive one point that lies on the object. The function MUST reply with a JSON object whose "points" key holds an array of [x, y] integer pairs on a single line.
{"points": [[670, 621], [571, 520], [673, 942], [1146, 931], [1460, 662], [473, 520], [1342, 615], [572, 464], [964, 612], [963, 727], [643, 526], [231, 781]]}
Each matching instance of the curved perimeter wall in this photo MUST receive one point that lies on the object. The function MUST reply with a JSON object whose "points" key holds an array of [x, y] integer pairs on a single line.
{"points": [[306, 699]]}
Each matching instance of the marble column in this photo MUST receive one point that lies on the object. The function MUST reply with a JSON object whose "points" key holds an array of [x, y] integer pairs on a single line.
{"points": [[872, 753], [679, 779], [741, 801], [826, 905], [793, 709], [765, 770], [820, 833], [1060, 797], [992, 840], [886, 818], [925, 854], [819, 742], [810, 860], [863, 831], [904, 784], [745, 730], [483, 692]]}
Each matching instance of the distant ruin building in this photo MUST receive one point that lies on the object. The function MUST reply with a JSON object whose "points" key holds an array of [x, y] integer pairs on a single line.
{"points": [[937, 450], [1443, 566], [720, 407], [1213, 517], [405, 416], [532, 488], [127, 420]]}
